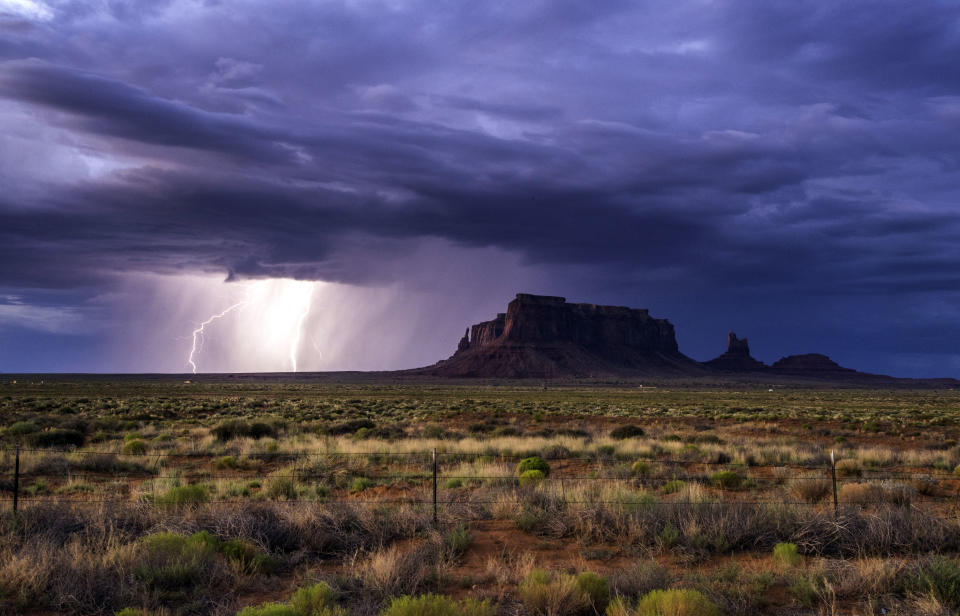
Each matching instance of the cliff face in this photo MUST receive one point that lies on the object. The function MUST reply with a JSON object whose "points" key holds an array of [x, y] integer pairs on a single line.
{"points": [[545, 336]]}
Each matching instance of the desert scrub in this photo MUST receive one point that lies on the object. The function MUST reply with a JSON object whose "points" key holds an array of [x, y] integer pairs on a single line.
{"points": [[596, 589], [179, 496], [676, 602], [359, 484], [534, 463], [134, 447], [811, 489], [316, 600], [624, 432], [674, 485], [437, 605], [173, 566], [531, 477], [458, 539], [726, 480], [545, 594], [786, 554], [940, 578]]}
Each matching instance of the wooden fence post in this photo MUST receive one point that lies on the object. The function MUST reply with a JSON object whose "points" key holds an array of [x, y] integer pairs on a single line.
{"points": [[833, 472], [435, 485], [16, 480]]}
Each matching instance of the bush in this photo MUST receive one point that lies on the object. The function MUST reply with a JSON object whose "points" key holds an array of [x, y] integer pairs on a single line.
{"points": [[811, 489], [359, 484], [171, 562], [807, 589], [786, 553], [940, 578], [22, 428], [639, 578], [270, 609], [458, 539], [624, 432], [726, 480], [316, 600], [56, 438], [437, 605], [596, 589], [618, 607], [674, 485], [238, 428], [281, 487], [531, 477], [641, 468], [136, 447], [676, 602], [183, 495], [536, 463], [546, 595]]}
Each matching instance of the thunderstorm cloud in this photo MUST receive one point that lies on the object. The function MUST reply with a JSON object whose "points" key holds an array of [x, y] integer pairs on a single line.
{"points": [[786, 169]]}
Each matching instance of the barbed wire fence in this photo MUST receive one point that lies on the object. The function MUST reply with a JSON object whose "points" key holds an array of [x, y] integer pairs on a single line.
{"points": [[420, 478]]}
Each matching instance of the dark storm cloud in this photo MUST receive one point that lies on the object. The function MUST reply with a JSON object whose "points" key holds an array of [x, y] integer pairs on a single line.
{"points": [[774, 150]]}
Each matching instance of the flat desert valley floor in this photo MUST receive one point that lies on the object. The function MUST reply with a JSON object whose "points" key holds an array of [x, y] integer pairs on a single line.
{"points": [[260, 496]]}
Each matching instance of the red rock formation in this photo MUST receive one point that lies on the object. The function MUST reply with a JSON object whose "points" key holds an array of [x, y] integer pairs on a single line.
{"points": [[545, 336]]}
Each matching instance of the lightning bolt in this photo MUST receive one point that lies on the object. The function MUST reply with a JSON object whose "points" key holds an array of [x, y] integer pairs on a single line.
{"points": [[295, 343], [198, 333]]}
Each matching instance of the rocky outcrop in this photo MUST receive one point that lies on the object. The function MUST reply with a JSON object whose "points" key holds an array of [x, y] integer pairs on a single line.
{"points": [[814, 365], [544, 336], [737, 358]]}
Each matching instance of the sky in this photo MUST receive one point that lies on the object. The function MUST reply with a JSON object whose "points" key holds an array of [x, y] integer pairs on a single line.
{"points": [[361, 180]]}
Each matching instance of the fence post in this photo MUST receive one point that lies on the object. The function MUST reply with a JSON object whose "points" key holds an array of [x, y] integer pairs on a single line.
{"points": [[435, 485], [833, 472], [16, 480]]}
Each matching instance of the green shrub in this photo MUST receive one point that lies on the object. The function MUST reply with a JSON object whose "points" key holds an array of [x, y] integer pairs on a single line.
{"points": [[676, 602], [237, 428], [727, 480], [437, 605], [940, 578], [786, 553], [544, 594], [129, 611], [618, 607], [359, 484], [22, 428], [280, 487], [246, 555], [641, 468], [270, 609], [606, 451], [316, 600], [224, 463], [807, 589], [452, 484], [624, 432], [528, 519], [171, 562], [596, 589], [458, 539], [56, 438], [535, 463], [135, 447], [531, 477], [672, 486], [183, 495]]}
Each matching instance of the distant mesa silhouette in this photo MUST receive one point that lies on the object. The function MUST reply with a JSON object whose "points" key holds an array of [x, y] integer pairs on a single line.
{"points": [[737, 358], [541, 336]]}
